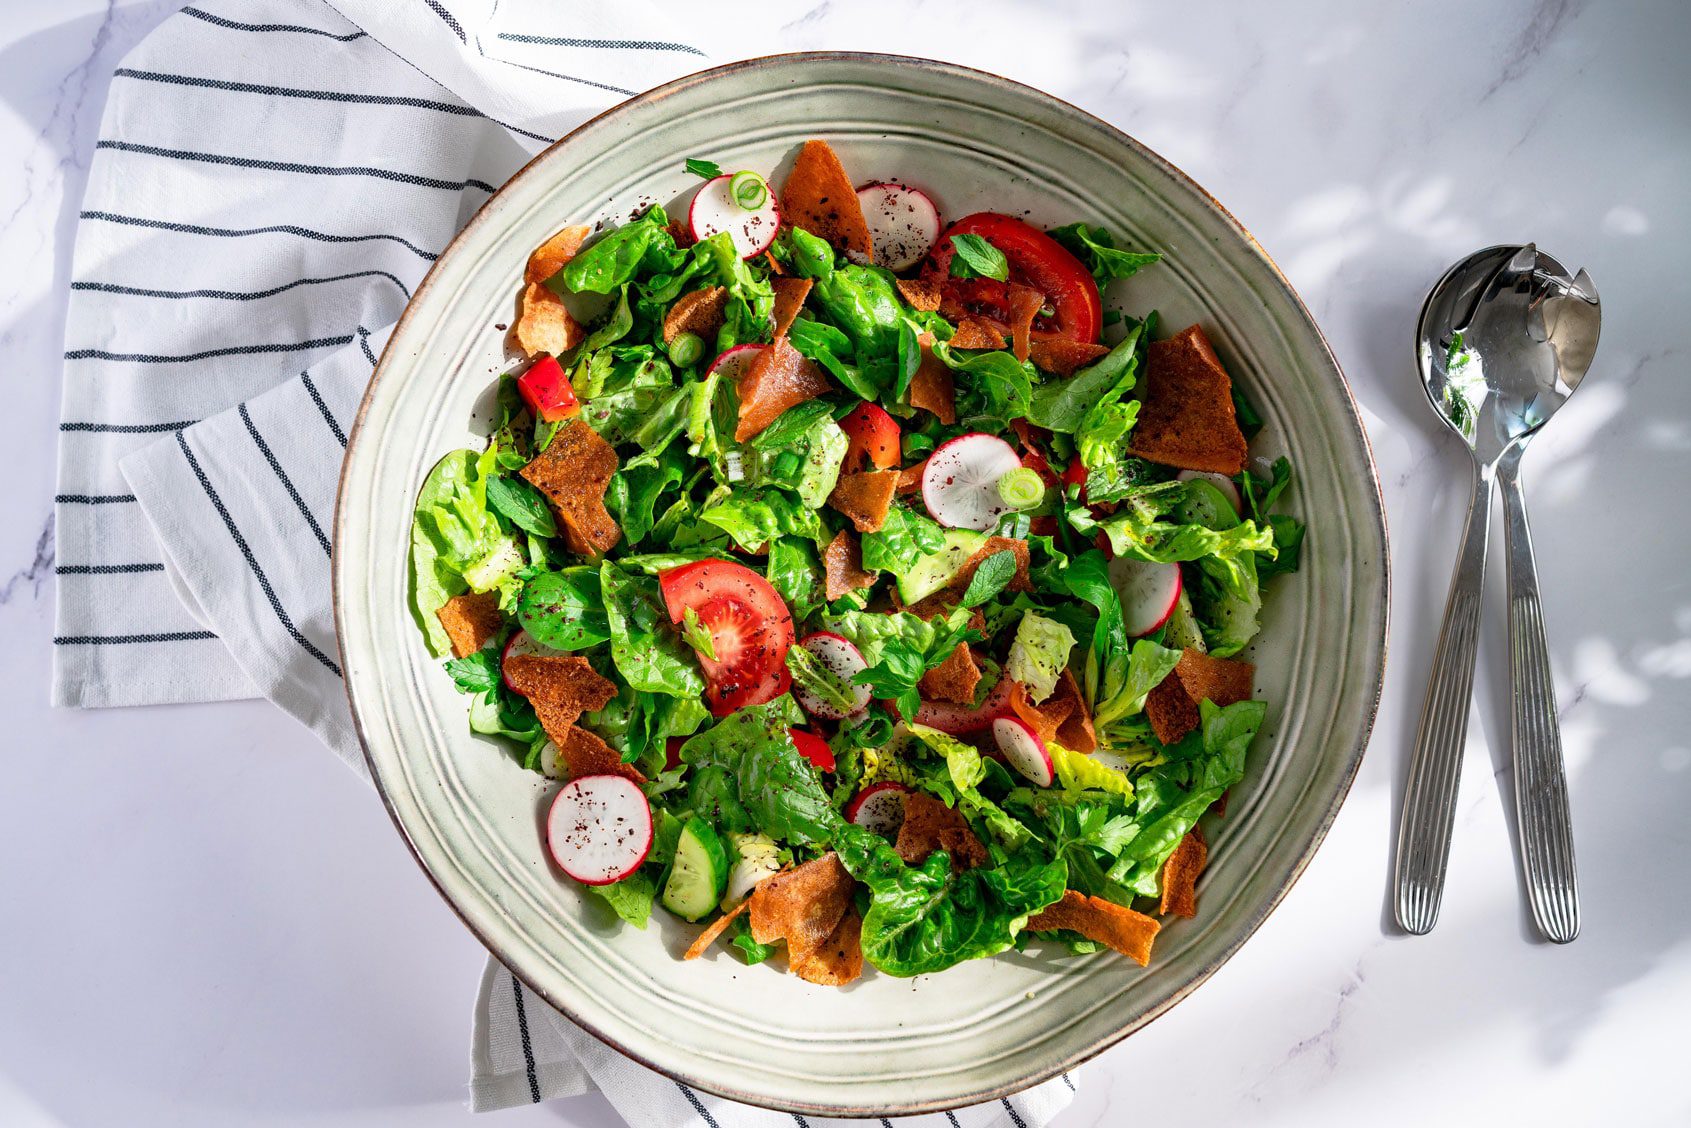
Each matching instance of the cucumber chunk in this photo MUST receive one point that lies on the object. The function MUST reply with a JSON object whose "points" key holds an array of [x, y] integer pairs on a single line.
{"points": [[698, 873], [927, 574]]}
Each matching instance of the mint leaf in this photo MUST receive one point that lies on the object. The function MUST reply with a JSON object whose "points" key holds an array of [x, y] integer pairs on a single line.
{"points": [[710, 170], [977, 258], [990, 578]]}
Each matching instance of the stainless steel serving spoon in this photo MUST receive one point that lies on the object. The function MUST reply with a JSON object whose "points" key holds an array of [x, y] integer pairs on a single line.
{"points": [[1503, 341]]}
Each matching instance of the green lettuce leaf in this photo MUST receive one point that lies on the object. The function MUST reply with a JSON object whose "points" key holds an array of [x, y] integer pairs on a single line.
{"points": [[778, 789], [1039, 654], [1094, 247], [754, 517], [613, 260], [648, 653], [564, 609]]}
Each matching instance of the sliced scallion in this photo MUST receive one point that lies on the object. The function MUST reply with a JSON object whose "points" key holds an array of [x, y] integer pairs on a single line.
{"points": [[686, 349], [749, 190], [1021, 488]]}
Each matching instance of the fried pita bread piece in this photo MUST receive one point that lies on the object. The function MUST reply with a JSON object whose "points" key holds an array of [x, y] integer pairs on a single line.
{"points": [[698, 311], [1062, 717], [1025, 304], [910, 478], [932, 388], [803, 906], [544, 324], [1123, 929], [1063, 355], [954, 679], [842, 566], [555, 253], [865, 497], [930, 825], [682, 232], [921, 295], [470, 620], [567, 681], [818, 197], [1180, 875], [780, 377], [959, 583], [715, 928], [789, 299], [573, 473], [584, 754], [973, 333], [840, 958], [1172, 707], [1186, 414]]}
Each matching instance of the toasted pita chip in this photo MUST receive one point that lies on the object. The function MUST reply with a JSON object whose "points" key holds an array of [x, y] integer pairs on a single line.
{"points": [[1063, 355], [555, 253], [1043, 718], [802, 906], [1025, 304], [930, 825], [701, 944], [959, 583], [910, 478], [573, 473], [698, 311], [780, 377], [1075, 732], [842, 566], [568, 681], [1123, 929], [818, 197], [584, 754], [839, 959], [865, 497], [973, 333], [470, 620], [682, 232], [1180, 875], [789, 299], [932, 387], [921, 295], [954, 679], [1172, 707], [544, 324], [1186, 414]]}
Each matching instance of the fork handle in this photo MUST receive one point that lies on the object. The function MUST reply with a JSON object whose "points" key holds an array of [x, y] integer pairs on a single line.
{"points": [[1541, 786], [1429, 800]]}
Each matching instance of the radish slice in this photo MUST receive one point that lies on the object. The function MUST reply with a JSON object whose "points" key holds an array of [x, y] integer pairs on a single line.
{"points": [[1025, 751], [1220, 481], [959, 720], [960, 481], [599, 828], [732, 365], [840, 658], [903, 223], [1148, 593], [714, 210], [522, 643], [879, 807]]}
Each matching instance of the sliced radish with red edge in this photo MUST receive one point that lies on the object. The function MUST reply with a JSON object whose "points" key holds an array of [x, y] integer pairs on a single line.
{"points": [[1148, 593], [960, 481], [1024, 750], [840, 658], [959, 720], [1220, 481], [732, 364], [903, 223], [879, 807], [714, 210], [519, 645], [599, 828]]}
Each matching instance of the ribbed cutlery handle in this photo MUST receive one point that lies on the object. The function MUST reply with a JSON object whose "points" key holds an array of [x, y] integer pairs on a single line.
{"points": [[1429, 801], [1541, 786]]}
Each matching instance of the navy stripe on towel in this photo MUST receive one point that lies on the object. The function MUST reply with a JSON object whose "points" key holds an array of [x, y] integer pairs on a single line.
{"points": [[294, 166], [240, 232]]}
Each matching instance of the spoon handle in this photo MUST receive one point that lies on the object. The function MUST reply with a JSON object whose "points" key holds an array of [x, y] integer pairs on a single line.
{"points": [[1541, 787], [1429, 800]]}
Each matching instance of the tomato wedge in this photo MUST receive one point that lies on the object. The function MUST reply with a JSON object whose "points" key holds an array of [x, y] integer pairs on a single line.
{"points": [[1036, 260], [750, 628], [873, 435], [813, 748]]}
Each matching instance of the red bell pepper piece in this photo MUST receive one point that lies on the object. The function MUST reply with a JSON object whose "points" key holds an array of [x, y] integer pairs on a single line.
{"points": [[546, 388]]}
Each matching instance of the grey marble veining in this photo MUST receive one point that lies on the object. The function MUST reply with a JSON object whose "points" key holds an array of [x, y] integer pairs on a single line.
{"points": [[209, 924]]}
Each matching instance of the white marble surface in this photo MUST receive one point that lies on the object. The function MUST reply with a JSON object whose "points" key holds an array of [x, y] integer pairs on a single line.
{"points": [[206, 921]]}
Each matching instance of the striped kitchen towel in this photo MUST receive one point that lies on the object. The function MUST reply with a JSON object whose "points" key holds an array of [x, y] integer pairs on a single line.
{"points": [[273, 179]]}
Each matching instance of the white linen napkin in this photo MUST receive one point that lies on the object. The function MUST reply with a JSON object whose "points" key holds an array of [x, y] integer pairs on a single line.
{"points": [[273, 179]]}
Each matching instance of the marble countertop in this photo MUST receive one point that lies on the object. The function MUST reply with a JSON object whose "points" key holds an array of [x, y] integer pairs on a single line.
{"points": [[207, 922]]}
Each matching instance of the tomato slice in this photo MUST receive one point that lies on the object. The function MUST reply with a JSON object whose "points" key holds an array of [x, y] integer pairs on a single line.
{"points": [[1036, 260], [750, 628], [547, 390], [813, 748], [874, 435]]}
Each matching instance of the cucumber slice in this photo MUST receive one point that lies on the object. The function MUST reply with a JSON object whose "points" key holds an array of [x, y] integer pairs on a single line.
{"points": [[698, 873], [927, 574], [1205, 504]]}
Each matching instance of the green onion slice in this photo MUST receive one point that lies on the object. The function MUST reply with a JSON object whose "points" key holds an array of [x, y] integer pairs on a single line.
{"points": [[686, 349], [749, 190], [1021, 488]]}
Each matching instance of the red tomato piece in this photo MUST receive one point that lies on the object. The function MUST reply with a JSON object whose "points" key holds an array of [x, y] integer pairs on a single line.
{"points": [[874, 435], [1032, 457], [1075, 475], [750, 628], [547, 390], [813, 748], [672, 752], [1035, 260]]}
